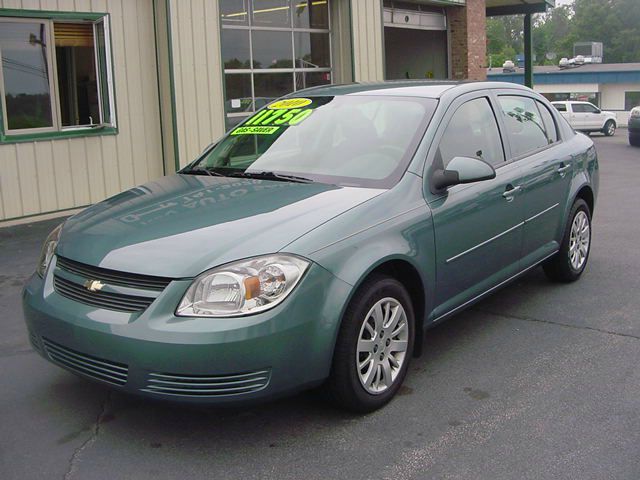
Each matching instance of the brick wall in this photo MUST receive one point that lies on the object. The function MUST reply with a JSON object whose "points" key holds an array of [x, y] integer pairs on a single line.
{"points": [[468, 37]]}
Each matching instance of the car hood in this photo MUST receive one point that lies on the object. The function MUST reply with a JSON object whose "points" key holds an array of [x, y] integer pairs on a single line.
{"points": [[181, 225]]}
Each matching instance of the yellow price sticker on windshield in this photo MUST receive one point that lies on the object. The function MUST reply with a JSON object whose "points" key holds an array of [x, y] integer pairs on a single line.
{"points": [[255, 130], [290, 103]]}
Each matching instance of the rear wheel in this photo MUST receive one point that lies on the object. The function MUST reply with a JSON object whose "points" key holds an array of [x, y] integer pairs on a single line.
{"points": [[609, 128], [568, 264], [374, 346]]}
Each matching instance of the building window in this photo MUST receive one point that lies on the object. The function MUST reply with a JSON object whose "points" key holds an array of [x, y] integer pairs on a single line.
{"points": [[271, 48], [631, 100], [55, 76]]}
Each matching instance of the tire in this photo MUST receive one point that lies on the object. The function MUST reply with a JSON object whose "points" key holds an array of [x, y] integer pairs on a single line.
{"points": [[346, 386], [609, 129], [568, 264]]}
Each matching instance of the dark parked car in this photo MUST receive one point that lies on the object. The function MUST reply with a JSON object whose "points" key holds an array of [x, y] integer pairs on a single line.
{"points": [[315, 243], [634, 127]]}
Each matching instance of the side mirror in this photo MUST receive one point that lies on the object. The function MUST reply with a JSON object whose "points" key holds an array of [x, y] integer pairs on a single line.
{"points": [[462, 170]]}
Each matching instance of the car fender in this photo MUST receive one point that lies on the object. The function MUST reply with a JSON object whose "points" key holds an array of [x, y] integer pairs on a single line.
{"points": [[609, 116], [395, 226], [586, 175], [396, 242]]}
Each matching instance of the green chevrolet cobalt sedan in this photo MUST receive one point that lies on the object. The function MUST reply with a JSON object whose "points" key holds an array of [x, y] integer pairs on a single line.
{"points": [[315, 243]]}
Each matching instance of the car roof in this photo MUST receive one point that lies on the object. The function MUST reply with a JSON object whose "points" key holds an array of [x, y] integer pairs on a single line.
{"points": [[405, 88]]}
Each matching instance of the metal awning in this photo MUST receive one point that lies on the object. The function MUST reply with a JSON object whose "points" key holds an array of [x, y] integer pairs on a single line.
{"points": [[517, 7]]}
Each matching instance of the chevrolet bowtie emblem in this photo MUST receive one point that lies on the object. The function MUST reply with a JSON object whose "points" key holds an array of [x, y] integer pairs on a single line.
{"points": [[93, 285]]}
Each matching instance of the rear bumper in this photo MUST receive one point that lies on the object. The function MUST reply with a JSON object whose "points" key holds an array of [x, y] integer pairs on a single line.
{"points": [[195, 360]]}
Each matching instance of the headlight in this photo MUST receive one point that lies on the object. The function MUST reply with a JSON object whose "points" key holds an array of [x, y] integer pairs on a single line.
{"points": [[244, 287], [47, 250]]}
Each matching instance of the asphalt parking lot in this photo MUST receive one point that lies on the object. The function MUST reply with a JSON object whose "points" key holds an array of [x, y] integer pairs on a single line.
{"points": [[541, 381]]}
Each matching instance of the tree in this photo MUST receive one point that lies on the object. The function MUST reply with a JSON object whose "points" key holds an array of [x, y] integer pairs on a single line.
{"points": [[615, 23]]}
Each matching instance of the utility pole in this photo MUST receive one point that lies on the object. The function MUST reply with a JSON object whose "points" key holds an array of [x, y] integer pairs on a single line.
{"points": [[528, 51]]}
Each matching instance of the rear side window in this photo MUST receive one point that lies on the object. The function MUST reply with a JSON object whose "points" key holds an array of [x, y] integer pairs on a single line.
{"points": [[524, 124], [549, 123], [561, 107], [472, 132]]}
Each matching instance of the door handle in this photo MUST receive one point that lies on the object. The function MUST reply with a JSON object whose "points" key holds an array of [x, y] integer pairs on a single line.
{"points": [[511, 192], [562, 170]]}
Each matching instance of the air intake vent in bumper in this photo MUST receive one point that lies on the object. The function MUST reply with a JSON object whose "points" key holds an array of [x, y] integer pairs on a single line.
{"points": [[207, 386], [35, 342], [96, 368]]}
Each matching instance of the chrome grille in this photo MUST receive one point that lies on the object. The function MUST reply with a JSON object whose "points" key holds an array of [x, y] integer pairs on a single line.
{"points": [[108, 300], [207, 385], [94, 367], [113, 277]]}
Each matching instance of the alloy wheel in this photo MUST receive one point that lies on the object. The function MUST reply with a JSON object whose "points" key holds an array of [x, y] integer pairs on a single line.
{"points": [[579, 240], [382, 345]]}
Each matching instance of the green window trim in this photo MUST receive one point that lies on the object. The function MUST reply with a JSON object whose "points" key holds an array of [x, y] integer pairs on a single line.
{"points": [[64, 132], [51, 15], [71, 133]]}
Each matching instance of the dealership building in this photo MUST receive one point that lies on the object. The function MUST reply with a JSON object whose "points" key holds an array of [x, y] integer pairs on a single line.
{"points": [[98, 96], [614, 87]]}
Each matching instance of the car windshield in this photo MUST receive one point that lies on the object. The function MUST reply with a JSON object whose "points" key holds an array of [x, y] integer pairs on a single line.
{"points": [[357, 140]]}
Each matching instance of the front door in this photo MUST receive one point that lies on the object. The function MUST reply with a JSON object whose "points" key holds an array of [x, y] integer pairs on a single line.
{"points": [[478, 227], [587, 116]]}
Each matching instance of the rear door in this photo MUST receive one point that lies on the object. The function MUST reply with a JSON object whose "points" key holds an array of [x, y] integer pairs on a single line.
{"points": [[546, 168], [478, 226], [594, 118]]}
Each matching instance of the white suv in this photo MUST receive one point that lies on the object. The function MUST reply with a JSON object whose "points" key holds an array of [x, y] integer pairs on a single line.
{"points": [[586, 117]]}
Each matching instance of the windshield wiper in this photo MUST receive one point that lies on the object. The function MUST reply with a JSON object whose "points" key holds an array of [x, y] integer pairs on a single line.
{"points": [[271, 176], [201, 170]]}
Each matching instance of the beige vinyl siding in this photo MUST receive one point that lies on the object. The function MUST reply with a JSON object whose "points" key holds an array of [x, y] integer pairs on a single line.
{"points": [[341, 44], [49, 175], [197, 71], [368, 43]]}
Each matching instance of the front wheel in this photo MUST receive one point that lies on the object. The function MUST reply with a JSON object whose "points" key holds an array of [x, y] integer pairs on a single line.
{"points": [[374, 346], [609, 128], [568, 264]]}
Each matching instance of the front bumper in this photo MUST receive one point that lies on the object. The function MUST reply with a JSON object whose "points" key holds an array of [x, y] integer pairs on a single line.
{"points": [[198, 360]]}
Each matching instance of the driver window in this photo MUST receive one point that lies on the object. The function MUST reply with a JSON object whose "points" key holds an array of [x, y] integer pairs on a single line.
{"points": [[472, 132], [584, 108]]}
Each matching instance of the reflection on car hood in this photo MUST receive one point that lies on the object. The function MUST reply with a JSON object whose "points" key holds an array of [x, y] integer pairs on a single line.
{"points": [[181, 225]]}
